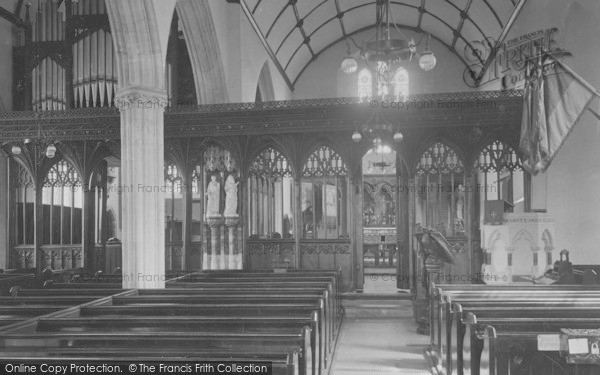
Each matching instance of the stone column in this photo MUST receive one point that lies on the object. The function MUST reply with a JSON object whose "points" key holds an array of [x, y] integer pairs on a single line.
{"points": [[4, 209], [205, 260], [223, 255], [214, 223], [240, 251], [142, 164], [232, 224]]}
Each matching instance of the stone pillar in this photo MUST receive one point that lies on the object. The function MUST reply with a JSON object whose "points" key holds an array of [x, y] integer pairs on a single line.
{"points": [[205, 260], [232, 224], [223, 255], [214, 223], [4, 209], [240, 251], [142, 164]]}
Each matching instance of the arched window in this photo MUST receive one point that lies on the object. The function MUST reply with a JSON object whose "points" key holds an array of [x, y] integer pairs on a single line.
{"points": [[25, 206], [270, 192], [323, 195], [500, 174], [62, 199], [440, 190], [367, 85]]}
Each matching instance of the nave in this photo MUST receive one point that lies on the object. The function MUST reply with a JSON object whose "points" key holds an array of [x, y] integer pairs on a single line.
{"points": [[300, 323]]}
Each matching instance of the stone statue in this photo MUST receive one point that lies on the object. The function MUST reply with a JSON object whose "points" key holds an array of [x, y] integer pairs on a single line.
{"points": [[213, 192], [231, 196]]}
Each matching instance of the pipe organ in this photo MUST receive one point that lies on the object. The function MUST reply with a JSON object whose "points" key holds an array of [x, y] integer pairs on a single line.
{"points": [[69, 54]]}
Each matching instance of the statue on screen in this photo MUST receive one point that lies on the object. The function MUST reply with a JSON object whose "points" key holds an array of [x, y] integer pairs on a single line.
{"points": [[213, 192], [231, 196]]}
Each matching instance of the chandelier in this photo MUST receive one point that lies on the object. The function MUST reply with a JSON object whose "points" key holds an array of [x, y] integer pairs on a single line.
{"points": [[377, 128], [40, 142], [385, 54]]}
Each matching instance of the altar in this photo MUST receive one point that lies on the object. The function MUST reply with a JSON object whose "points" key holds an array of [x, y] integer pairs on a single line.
{"points": [[519, 248]]}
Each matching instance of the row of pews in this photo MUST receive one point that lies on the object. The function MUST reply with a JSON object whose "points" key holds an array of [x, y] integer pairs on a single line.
{"points": [[289, 319], [512, 329]]}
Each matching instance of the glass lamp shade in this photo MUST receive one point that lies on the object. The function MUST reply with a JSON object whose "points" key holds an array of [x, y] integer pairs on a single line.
{"points": [[51, 151], [356, 137], [427, 61], [16, 150], [349, 65], [398, 137]]}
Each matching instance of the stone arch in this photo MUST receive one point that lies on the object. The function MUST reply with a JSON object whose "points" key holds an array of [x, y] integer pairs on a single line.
{"points": [[265, 84], [548, 240], [203, 48]]}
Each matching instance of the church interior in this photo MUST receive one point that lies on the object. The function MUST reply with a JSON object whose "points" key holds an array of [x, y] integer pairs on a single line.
{"points": [[313, 187]]}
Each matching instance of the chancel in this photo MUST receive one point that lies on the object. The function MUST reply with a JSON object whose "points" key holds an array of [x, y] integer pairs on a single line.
{"points": [[320, 186]]}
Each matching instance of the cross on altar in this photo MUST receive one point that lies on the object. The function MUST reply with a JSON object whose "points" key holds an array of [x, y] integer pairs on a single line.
{"points": [[493, 214]]}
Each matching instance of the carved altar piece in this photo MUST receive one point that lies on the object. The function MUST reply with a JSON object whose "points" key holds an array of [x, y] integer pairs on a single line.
{"points": [[521, 246]]}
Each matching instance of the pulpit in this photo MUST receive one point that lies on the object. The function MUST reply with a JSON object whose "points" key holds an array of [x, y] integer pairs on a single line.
{"points": [[521, 246]]}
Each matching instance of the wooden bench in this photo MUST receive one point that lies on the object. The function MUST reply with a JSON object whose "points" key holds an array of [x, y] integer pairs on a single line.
{"points": [[509, 309], [487, 340], [283, 363], [451, 306], [284, 341], [226, 313], [438, 291]]}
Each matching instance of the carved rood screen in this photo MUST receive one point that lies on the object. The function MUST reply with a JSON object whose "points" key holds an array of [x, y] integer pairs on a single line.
{"points": [[324, 201], [270, 196], [440, 190]]}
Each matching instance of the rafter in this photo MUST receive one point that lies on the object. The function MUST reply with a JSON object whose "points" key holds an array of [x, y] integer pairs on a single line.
{"points": [[12, 18], [265, 43], [500, 40]]}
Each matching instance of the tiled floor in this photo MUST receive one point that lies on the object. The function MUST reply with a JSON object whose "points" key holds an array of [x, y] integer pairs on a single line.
{"points": [[378, 345]]}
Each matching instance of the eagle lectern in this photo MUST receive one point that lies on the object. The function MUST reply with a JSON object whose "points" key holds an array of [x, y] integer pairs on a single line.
{"points": [[435, 251]]}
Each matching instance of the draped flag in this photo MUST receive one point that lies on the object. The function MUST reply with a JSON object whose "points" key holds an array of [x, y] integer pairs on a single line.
{"points": [[553, 101]]}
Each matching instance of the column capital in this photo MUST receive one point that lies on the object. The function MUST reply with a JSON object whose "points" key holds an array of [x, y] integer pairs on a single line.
{"points": [[140, 97]]}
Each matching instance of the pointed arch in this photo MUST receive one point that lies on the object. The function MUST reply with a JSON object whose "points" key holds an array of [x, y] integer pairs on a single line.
{"points": [[203, 47], [265, 84]]}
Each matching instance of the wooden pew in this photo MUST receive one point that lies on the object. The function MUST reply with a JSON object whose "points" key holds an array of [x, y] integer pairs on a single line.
{"points": [[509, 309], [438, 291], [486, 338], [443, 298], [285, 341], [283, 363]]}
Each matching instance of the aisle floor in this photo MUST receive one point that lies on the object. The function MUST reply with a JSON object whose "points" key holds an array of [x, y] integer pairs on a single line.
{"points": [[372, 345]]}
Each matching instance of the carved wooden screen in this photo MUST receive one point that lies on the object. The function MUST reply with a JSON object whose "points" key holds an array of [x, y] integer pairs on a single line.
{"points": [[62, 200], [500, 175], [440, 190], [25, 206], [323, 195], [173, 204], [271, 196]]}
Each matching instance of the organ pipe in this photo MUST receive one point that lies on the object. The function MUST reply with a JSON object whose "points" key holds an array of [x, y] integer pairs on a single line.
{"points": [[93, 74]]}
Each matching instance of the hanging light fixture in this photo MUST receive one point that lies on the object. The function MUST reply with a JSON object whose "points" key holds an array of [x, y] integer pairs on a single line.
{"points": [[385, 53], [377, 128], [427, 60], [40, 143]]}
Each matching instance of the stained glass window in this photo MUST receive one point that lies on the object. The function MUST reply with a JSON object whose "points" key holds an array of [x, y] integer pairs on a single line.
{"points": [[367, 85]]}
